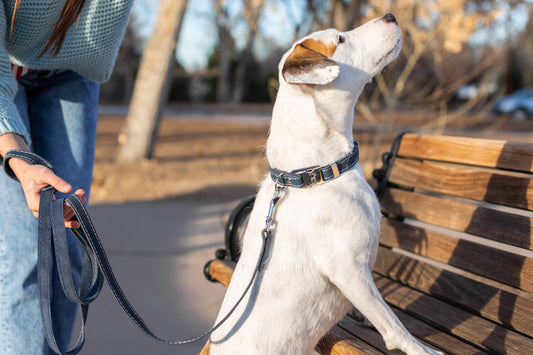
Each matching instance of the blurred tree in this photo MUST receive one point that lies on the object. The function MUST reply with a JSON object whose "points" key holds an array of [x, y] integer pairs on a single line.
{"points": [[345, 15], [225, 49], [152, 84], [233, 87], [519, 71], [252, 11], [429, 28], [340, 14], [430, 31]]}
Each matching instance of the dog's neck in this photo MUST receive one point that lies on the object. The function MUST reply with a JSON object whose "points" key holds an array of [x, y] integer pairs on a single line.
{"points": [[309, 127]]}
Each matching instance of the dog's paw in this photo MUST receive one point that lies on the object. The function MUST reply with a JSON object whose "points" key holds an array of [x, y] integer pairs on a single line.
{"points": [[425, 350], [410, 346], [432, 351]]}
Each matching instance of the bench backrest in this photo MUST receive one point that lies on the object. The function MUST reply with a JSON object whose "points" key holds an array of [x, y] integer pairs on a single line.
{"points": [[458, 223]]}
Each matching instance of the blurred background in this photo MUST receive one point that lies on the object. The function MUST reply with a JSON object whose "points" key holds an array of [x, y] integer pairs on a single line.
{"points": [[195, 80]]}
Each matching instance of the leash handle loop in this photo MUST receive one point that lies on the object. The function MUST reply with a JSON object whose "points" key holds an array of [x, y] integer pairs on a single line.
{"points": [[30, 157], [46, 259]]}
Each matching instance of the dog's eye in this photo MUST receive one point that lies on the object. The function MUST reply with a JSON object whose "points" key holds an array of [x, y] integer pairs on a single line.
{"points": [[341, 39]]}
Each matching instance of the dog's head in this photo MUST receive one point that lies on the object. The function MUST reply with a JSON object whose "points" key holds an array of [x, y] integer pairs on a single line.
{"points": [[347, 60]]}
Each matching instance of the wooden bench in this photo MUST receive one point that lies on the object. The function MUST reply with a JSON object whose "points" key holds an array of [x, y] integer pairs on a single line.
{"points": [[455, 259]]}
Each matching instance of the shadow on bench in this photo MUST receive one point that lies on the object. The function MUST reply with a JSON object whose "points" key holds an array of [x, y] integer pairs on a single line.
{"points": [[455, 260]]}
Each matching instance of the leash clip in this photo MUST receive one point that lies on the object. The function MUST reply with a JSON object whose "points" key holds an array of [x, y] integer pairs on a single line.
{"points": [[277, 194], [263, 258]]}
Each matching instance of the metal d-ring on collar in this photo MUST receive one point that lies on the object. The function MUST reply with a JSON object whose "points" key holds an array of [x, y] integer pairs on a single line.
{"points": [[310, 176]]}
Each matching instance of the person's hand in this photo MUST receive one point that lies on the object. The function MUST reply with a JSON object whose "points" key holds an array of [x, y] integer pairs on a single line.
{"points": [[34, 178]]}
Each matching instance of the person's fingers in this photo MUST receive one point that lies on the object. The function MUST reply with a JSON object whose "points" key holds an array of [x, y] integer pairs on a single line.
{"points": [[69, 213], [72, 224], [48, 177], [81, 194]]}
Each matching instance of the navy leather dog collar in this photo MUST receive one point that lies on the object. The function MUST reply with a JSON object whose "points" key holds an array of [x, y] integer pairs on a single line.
{"points": [[308, 177]]}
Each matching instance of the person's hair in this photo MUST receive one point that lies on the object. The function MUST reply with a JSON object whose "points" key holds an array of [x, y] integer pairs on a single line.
{"points": [[69, 14]]}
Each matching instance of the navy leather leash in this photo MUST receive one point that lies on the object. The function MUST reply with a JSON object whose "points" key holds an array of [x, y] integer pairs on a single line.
{"points": [[308, 177], [53, 248]]}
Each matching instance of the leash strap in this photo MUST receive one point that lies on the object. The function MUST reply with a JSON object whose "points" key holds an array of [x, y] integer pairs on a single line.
{"points": [[308, 177], [53, 248], [31, 158]]}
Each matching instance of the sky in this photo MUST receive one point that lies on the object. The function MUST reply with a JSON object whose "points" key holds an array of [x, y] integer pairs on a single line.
{"points": [[199, 35]]}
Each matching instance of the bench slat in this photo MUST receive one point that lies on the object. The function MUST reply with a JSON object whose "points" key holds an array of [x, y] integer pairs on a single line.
{"points": [[365, 333], [506, 308], [424, 332], [496, 225], [502, 266], [471, 151], [444, 341], [339, 342], [471, 183], [471, 328]]}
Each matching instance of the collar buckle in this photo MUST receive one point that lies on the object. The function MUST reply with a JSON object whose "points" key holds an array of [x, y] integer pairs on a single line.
{"points": [[312, 176]]}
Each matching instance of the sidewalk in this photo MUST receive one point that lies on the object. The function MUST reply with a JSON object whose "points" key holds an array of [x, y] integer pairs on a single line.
{"points": [[157, 251]]}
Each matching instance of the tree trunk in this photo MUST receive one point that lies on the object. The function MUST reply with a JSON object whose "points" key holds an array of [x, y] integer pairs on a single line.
{"points": [[224, 65], [254, 10], [152, 84], [226, 44]]}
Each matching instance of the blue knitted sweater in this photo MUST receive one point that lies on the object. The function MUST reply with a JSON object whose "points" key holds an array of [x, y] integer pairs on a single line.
{"points": [[90, 48]]}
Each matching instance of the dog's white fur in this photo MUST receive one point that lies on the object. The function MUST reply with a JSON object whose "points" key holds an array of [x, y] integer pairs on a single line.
{"points": [[324, 237]]}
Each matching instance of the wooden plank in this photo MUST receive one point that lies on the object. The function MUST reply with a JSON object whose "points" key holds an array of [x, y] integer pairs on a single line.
{"points": [[222, 270], [513, 191], [471, 151], [424, 332], [499, 226], [509, 309], [443, 341], [339, 342], [368, 334], [471, 328], [502, 266]]}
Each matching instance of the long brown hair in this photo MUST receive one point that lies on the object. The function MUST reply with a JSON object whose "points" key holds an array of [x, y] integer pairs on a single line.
{"points": [[69, 14]]}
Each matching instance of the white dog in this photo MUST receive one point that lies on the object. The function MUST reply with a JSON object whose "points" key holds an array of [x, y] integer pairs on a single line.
{"points": [[324, 237]]}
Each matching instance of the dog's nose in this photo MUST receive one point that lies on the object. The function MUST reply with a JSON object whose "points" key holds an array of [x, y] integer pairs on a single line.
{"points": [[390, 18]]}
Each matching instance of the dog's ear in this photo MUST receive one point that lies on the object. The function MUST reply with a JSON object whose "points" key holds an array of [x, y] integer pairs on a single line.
{"points": [[309, 63]]}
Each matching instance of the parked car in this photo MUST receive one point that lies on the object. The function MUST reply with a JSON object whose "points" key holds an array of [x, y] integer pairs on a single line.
{"points": [[518, 104], [471, 90]]}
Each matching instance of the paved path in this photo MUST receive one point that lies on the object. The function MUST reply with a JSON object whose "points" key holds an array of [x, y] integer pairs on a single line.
{"points": [[157, 251]]}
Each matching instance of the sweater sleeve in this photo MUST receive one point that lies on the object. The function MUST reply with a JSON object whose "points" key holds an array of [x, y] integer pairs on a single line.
{"points": [[10, 121]]}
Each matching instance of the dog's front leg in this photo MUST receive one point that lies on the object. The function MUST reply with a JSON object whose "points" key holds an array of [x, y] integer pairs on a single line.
{"points": [[355, 281]]}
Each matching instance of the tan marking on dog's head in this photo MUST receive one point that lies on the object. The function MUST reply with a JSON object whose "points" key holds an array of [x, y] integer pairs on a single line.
{"points": [[310, 63], [318, 46]]}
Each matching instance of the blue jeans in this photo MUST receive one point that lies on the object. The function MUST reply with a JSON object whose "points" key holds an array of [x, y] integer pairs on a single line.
{"points": [[59, 110]]}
